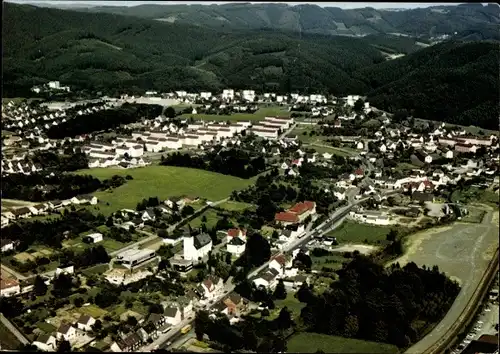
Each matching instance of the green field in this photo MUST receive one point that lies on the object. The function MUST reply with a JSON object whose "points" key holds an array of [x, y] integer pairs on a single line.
{"points": [[475, 195], [259, 115], [291, 302], [475, 215], [7, 339], [333, 262], [344, 151], [163, 182], [236, 206], [311, 342], [352, 232]]}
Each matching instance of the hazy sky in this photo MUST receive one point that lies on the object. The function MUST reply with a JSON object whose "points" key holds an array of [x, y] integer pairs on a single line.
{"points": [[343, 5]]}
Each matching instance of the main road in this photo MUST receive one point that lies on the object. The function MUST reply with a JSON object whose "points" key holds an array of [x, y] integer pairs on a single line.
{"points": [[163, 341]]}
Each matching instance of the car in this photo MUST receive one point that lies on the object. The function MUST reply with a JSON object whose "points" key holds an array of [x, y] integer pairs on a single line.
{"points": [[487, 309], [467, 341], [480, 322]]}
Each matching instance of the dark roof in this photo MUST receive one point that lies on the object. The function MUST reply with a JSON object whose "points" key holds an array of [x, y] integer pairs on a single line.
{"points": [[273, 271], [237, 241], [64, 328], [132, 339], [220, 306], [235, 298], [5, 241], [154, 318], [84, 319], [171, 311], [21, 211], [201, 240], [149, 328], [44, 338], [477, 346]]}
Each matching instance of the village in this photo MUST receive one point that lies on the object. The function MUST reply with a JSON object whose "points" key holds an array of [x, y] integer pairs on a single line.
{"points": [[369, 185]]}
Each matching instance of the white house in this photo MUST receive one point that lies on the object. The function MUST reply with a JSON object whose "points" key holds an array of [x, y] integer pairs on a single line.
{"points": [[66, 332], [280, 262], [236, 246], [46, 343], [196, 247], [211, 287], [172, 315], [9, 287], [360, 145], [85, 323], [67, 270], [94, 238]]}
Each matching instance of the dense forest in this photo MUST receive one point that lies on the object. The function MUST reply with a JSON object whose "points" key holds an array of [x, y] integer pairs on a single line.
{"points": [[451, 81], [464, 19], [38, 187], [384, 305], [233, 162], [104, 120]]}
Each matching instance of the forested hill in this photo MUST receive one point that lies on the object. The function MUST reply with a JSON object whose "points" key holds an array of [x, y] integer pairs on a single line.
{"points": [[467, 20], [103, 50], [451, 82]]}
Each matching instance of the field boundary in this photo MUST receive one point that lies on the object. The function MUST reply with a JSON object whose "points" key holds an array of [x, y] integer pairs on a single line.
{"points": [[470, 309]]}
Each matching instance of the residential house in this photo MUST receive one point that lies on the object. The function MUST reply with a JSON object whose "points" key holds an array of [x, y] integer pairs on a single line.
{"points": [[130, 343], [21, 213], [196, 247], [267, 278], [148, 214], [172, 315], [236, 246], [66, 332], [7, 245], [280, 262], [93, 238], [46, 343], [211, 287], [85, 323]]}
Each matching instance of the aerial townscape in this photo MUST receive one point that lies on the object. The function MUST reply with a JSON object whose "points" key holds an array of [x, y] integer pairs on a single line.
{"points": [[250, 178]]}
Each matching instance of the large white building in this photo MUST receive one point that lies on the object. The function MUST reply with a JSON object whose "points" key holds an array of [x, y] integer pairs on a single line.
{"points": [[133, 258], [228, 94], [196, 247]]}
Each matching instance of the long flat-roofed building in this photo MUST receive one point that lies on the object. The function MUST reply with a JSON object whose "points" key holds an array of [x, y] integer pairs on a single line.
{"points": [[133, 258]]}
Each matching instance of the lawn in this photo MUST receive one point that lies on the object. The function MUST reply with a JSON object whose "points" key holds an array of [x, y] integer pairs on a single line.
{"points": [[46, 327], [475, 195], [163, 182], [475, 215], [260, 114], [294, 305], [92, 310], [352, 232], [333, 262], [236, 206], [311, 342], [7, 339], [98, 269], [209, 214], [344, 151]]}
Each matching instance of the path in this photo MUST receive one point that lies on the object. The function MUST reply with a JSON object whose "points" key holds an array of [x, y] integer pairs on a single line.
{"points": [[346, 151], [463, 252], [11, 271], [288, 131], [13, 329]]}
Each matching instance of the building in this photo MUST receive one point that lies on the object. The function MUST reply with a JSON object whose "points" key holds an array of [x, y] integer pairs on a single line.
{"points": [[66, 332], [303, 210], [9, 287], [93, 238], [172, 315], [182, 265], [196, 247], [7, 245], [211, 287], [46, 343], [236, 233], [133, 258], [85, 323], [236, 246]]}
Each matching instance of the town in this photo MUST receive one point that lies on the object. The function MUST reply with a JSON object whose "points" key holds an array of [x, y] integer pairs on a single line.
{"points": [[143, 223]]}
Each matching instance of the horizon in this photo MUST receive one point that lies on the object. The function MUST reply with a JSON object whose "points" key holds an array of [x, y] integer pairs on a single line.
{"points": [[342, 5]]}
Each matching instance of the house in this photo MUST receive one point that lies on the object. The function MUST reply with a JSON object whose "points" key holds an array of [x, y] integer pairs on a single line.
{"points": [[8, 215], [46, 343], [93, 238], [211, 287], [196, 247], [422, 197], [21, 213], [267, 279], [293, 231], [236, 233], [286, 218], [9, 287], [359, 173], [360, 145], [5, 220], [303, 209], [280, 262], [156, 319], [66, 332], [88, 199], [236, 246], [130, 343], [7, 245], [67, 270], [172, 315], [85, 323], [148, 214]]}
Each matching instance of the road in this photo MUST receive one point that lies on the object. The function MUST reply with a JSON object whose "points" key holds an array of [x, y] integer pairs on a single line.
{"points": [[288, 131], [463, 252], [324, 227], [13, 329], [19, 276]]}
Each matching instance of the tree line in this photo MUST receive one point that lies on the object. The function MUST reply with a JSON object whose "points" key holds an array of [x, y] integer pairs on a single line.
{"points": [[104, 120], [233, 162], [38, 187]]}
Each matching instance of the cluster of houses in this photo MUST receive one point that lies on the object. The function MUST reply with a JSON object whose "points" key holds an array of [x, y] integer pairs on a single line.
{"points": [[50, 86], [45, 208]]}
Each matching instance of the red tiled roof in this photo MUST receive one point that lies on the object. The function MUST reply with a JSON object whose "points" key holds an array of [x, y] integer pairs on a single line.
{"points": [[301, 208], [358, 172], [208, 283], [286, 217], [8, 283], [280, 258], [236, 232]]}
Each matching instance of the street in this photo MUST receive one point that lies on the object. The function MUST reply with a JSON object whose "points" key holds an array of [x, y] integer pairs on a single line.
{"points": [[13, 329]]}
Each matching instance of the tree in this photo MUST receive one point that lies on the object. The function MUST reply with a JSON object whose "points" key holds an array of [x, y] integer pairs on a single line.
{"points": [[280, 291], [64, 346], [39, 286], [392, 235], [351, 326], [228, 258], [97, 327], [132, 321], [170, 112], [78, 301], [284, 319], [358, 105], [201, 323]]}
